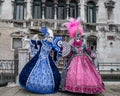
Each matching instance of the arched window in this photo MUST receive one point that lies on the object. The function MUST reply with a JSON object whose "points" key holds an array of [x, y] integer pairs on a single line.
{"points": [[49, 9], [91, 12], [19, 10], [73, 9], [61, 10], [37, 9]]}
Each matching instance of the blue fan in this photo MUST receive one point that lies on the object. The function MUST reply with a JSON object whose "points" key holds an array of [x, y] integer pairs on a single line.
{"points": [[57, 43]]}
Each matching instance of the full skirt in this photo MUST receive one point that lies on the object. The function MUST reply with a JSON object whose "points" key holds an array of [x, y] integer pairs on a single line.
{"points": [[82, 76]]}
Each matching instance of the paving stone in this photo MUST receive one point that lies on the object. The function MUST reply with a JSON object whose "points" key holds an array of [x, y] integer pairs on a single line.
{"points": [[12, 91], [3, 90], [110, 90]]}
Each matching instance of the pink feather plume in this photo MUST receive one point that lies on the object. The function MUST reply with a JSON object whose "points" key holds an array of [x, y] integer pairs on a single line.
{"points": [[74, 26]]}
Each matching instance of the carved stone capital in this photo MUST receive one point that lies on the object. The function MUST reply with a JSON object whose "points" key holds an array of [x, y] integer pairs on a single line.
{"points": [[110, 4], [1, 1]]}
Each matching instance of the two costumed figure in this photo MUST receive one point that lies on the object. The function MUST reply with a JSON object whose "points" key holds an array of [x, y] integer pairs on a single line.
{"points": [[41, 75]]}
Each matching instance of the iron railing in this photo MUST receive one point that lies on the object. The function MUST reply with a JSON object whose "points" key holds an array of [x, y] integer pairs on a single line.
{"points": [[8, 71], [109, 66], [110, 71]]}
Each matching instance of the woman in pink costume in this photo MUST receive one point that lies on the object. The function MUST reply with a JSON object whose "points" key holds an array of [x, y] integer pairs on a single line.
{"points": [[80, 74]]}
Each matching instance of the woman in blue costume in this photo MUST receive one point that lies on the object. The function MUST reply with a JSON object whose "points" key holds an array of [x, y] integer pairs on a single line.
{"points": [[40, 74]]}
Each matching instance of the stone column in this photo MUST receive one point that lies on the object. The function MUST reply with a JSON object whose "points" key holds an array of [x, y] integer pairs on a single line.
{"points": [[110, 4], [29, 9], [55, 6], [16, 56], [79, 14], [55, 14], [67, 11], [23, 59], [43, 10], [82, 11], [30, 17]]}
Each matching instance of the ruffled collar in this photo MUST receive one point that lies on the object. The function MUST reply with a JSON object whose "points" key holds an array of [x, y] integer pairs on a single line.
{"points": [[77, 44]]}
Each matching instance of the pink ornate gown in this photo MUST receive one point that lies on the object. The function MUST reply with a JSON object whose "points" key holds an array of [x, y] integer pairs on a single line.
{"points": [[80, 74]]}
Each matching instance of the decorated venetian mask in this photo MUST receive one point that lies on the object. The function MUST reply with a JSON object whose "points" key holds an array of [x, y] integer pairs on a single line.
{"points": [[77, 36]]}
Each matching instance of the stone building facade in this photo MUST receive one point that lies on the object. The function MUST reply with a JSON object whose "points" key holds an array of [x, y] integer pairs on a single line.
{"points": [[23, 18]]}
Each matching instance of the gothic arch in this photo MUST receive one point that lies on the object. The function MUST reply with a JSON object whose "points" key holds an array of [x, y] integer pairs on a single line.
{"points": [[95, 1], [17, 34], [75, 1]]}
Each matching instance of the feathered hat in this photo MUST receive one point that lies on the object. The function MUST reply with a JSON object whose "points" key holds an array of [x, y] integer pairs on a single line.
{"points": [[74, 26], [46, 31]]}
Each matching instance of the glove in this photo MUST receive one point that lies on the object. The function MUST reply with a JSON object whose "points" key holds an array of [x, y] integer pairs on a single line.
{"points": [[25, 39]]}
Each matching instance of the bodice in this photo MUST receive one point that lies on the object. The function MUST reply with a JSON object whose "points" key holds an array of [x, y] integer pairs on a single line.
{"points": [[79, 50], [78, 46], [45, 48]]}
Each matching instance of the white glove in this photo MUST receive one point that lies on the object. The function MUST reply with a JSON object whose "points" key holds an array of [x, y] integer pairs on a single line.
{"points": [[25, 39]]}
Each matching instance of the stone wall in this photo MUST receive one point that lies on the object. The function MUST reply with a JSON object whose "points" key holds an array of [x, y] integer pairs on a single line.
{"points": [[6, 52], [106, 52]]}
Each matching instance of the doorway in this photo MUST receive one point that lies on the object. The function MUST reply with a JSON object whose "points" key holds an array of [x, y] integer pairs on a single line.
{"points": [[92, 41]]}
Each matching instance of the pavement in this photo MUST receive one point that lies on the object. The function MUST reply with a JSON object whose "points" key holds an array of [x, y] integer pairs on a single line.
{"points": [[12, 89]]}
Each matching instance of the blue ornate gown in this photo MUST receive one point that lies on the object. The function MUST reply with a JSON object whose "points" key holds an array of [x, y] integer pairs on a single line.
{"points": [[40, 74]]}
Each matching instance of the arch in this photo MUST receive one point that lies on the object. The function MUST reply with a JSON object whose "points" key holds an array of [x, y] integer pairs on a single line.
{"points": [[94, 1], [17, 34], [75, 1], [92, 41], [19, 0]]}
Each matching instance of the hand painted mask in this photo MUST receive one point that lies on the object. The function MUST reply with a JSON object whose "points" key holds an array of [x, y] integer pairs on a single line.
{"points": [[77, 36], [47, 32]]}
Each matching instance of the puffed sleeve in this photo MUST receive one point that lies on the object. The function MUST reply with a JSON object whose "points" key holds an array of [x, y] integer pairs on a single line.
{"points": [[57, 47], [34, 47]]}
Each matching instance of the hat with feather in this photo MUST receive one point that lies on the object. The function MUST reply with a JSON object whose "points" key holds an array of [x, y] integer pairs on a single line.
{"points": [[74, 26]]}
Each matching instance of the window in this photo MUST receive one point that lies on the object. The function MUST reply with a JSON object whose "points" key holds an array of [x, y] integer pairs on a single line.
{"points": [[91, 12], [0, 10], [49, 9], [1, 4], [61, 10], [37, 9], [110, 37], [16, 43], [19, 10], [73, 10]]}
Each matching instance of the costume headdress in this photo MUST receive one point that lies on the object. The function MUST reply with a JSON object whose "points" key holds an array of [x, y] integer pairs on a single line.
{"points": [[74, 26], [47, 32]]}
